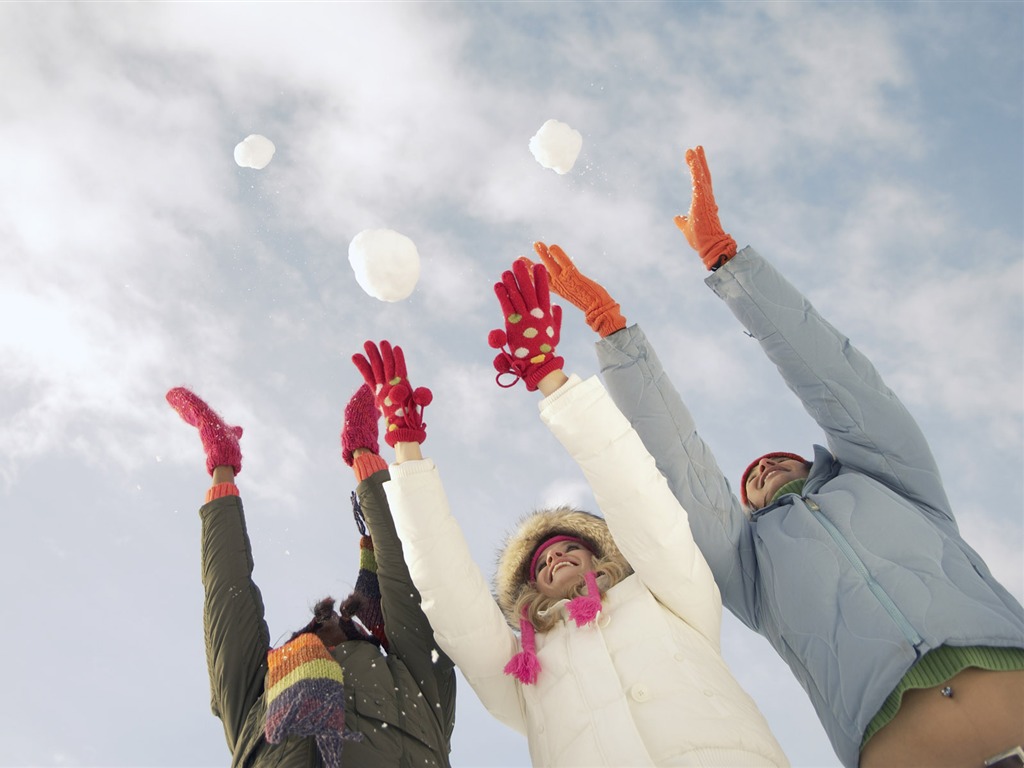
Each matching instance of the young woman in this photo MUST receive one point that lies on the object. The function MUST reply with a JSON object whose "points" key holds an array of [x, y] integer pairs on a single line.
{"points": [[910, 650], [616, 661], [330, 695]]}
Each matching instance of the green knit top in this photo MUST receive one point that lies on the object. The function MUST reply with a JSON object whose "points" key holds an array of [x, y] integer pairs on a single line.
{"points": [[937, 666]]}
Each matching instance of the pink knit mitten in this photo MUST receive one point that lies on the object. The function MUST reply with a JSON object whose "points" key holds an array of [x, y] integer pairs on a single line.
{"points": [[360, 430], [219, 440]]}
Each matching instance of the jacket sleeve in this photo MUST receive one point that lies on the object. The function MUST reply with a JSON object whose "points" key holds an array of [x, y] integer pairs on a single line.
{"points": [[237, 638], [867, 427], [409, 633], [467, 622], [646, 520], [644, 394]]}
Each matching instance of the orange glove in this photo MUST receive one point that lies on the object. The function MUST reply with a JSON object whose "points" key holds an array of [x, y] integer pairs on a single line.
{"points": [[701, 226], [601, 310]]}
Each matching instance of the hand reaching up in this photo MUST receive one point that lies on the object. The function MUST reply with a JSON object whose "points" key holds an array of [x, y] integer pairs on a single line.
{"points": [[360, 429], [703, 231], [532, 325], [220, 442], [384, 370], [601, 310]]}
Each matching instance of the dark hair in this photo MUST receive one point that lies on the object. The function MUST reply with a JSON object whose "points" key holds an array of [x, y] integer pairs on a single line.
{"points": [[324, 610]]}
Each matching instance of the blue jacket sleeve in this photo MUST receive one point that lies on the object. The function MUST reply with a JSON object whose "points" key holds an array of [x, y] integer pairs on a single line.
{"points": [[867, 427], [640, 388]]}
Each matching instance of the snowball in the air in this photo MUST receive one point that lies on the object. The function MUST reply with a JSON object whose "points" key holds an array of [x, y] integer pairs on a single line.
{"points": [[254, 151], [556, 145], [386, 263]]}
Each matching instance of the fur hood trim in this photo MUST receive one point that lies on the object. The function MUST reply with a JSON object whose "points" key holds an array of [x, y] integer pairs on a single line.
{"points": [[511, 579]]}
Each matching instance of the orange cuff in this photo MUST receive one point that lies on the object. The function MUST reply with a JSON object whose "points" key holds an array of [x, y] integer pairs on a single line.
{"points": [[366, 464], [221, 490], [606, 319]]}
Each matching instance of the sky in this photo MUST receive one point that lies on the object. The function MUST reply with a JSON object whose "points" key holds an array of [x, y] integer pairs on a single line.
{"points": [[872, 151]]}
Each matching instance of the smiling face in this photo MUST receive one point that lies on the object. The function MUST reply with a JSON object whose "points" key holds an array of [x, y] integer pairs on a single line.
{"points": [[769, 474], [560, 566]]}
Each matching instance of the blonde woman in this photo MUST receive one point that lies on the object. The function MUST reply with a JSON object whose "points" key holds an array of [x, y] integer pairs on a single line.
{"points": [[603, 645]]}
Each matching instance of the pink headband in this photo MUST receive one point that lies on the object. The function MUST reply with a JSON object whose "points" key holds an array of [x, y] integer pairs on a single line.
{"points": [[544, 545]]}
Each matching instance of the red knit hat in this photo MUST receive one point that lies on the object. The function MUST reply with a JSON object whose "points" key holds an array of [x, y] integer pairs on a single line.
{"points": [[750, 467]]}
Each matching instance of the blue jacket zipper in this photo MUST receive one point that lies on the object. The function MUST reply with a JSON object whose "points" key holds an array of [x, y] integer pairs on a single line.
{"points": [[876, 589]]}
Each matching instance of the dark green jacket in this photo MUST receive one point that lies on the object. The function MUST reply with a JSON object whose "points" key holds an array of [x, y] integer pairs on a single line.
{"points": [[403, 702]]}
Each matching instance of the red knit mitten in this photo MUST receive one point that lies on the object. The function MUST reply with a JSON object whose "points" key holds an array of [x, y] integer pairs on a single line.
{"points": [[601, 310], [703, 231], [360, 429], [384, 370], [219, 440], [532, 325]]}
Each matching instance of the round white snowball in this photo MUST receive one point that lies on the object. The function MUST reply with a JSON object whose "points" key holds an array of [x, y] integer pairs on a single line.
{"points": [[254, 151], [386, 263], [556, 146]]}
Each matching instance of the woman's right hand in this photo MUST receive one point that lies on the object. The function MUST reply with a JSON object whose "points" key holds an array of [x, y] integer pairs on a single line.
{"points": [[532, 325], [384, 370]]}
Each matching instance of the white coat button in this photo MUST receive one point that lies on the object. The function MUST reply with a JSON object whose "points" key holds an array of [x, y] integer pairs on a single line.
{"points": [[708, 692], [680, 657], [640, 692], [604, 620]]}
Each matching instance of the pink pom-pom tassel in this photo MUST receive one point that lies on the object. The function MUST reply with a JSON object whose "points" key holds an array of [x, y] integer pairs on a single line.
{"points": [[584, 609], [525, 666]]}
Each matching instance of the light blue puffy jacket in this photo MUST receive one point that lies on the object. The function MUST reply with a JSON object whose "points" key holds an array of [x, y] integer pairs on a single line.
{"points": [[862, 573]]}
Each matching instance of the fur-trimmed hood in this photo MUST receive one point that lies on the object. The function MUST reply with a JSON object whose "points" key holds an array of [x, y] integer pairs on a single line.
{"points": [[511, 578]]}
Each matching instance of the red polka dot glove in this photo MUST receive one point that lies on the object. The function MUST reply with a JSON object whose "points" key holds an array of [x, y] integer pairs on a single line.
{"points": [[701, 226], [384, 370], [532, 326]]}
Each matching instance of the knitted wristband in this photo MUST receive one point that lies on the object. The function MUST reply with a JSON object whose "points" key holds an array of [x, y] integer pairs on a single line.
{"points": [[366, 464], [606, 319], [220, 490]]}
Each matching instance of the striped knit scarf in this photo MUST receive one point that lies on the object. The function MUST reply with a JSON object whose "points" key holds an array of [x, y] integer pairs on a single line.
{"points": [[305, 697]]}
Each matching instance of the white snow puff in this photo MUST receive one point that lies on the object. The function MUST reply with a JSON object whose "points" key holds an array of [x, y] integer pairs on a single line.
{"points": [[254, 151], [556, 146], [386, 263]]}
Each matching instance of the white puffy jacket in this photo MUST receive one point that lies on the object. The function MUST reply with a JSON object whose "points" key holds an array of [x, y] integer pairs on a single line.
{"points": [[646, 684]]}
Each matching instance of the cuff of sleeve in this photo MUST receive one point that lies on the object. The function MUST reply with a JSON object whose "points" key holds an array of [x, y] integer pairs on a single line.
{"points": [[221, 490], [574, 380], [409, 468], [366, 464]]}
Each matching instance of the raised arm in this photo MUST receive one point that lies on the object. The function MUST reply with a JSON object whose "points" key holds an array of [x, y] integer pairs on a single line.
{"points": [[237, 638], [454, 595], [407, 631], [867, 426], [648, 523], [643, 393]]}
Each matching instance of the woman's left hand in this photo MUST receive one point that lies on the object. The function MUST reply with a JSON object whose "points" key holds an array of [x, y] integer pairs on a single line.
{"points": [[532, 325]]}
